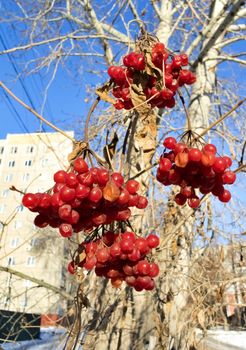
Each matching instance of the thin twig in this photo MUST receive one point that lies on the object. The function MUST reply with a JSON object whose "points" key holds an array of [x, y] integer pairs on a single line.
{"points": [[238, 104], [35, 113]]}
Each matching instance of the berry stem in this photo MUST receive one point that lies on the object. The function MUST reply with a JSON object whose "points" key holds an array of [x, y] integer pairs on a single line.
{"points": [[186, 110]]}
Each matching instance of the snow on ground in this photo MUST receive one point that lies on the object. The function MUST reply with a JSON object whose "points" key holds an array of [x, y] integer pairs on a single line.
{"points": [[234, 340], [54, 339], [50, 338]]}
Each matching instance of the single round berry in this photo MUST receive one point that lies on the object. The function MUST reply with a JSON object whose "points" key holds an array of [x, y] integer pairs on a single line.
{"points": [[66, 230], [153, 241], [30, 200], [132, 186], [60, 176], [225, 196], [229, 177], [169, 142], [209, 147], [80, 165]]}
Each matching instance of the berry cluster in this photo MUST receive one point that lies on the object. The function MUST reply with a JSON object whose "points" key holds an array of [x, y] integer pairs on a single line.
{"points": [[85, 198], [159, 89], [191, 168], [121, 257]]}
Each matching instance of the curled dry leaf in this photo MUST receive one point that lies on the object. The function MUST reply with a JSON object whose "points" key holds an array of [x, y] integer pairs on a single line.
{"points": [[78, 148], [103, 94], [109, 149], [111, 191]]}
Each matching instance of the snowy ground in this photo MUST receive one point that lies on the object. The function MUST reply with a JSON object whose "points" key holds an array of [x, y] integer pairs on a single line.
{"points": [[223, 340], [54, 339], [50, 338]]}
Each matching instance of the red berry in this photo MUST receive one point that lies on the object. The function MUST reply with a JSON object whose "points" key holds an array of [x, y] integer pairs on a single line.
{"points": [[60, 176], [195, 155], [80, 165], [115, 249], [102, 255], [219, 165], [164, 164], [166, 94], [123, 197], [132, 186], [154, 270], [180, 199], [142, 245], [142, 202], [169, 142], [67, 194], [82, 191], [66, 230], [90, 262], [143, 267], [128, 235], [153, 241], [95, 195], [228, 161], [118, 179], [225, 196], [210, 148], [126, 245], [229, 177], [194, 202], [184, 59], [30, 200], [71, 267], [71, 180]]}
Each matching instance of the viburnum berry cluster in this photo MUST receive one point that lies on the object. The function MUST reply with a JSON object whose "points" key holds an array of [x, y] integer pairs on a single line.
{"points": [[121, 257], [192, 168], [85, 198], [160, 72]]}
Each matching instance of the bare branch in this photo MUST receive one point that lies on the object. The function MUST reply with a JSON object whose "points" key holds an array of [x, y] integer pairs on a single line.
{"points": [[38, 282]]}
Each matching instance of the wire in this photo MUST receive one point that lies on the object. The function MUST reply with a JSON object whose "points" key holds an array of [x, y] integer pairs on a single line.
{"points": [[15, 113]]}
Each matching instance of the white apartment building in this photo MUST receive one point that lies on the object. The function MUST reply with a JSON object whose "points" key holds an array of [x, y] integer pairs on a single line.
{"points": [[28, 161]]}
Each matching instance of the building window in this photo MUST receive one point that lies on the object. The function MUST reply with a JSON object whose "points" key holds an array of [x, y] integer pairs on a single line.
{"points": [[19, 208], [33, 243], [8, 178], [27, 283], [28, 163], [26, 177], [11, 163], [14, 243], [17, 224], [5, 193], [1, 150], [2, 206], [31, 261], [23, 302], [29, 149], [44, 162], [11, 261], [13, 150]]}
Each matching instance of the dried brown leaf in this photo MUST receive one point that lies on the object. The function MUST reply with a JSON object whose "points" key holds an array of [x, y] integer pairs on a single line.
{"points": [[109, 149], [78, 148], [103, 94]]}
